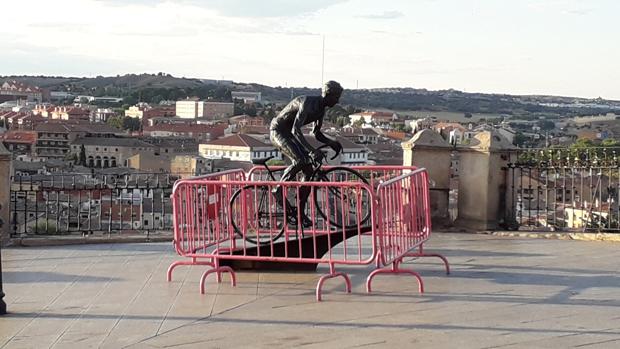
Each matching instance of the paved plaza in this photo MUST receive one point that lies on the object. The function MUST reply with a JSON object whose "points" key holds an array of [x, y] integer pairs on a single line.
{"points": [[502, 293]]}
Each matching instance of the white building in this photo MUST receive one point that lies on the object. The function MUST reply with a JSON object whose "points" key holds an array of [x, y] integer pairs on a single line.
{"points": [[421, 124], [189, 109], [238, 147], [193, 108], [247, 97], [373, 118], [103, 114]]}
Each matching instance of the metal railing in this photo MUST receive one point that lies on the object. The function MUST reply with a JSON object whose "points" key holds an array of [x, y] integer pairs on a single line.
{"points": [[83, 204], [568, 189]]}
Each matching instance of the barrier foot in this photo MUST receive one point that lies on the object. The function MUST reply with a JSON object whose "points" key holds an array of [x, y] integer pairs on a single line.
{"points": [[332, 275], [421, 253], [218, 271], [394, 269], [177, 263]]}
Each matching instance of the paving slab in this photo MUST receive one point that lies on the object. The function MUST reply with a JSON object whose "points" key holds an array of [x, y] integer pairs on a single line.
{"points": [[503, 292]]}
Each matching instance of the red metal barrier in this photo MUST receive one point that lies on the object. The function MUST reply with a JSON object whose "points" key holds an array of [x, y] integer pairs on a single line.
{"points": [[195, 211], [224, 217], [404, 218]]}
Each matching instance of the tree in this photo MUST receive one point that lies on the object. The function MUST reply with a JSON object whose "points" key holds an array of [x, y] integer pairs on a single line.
{"points": [[82, 159], [611, 143], [359, 122], [71, 157], [116, 121], [342, 120], [546, 125], [582, 143], [131, 124], [520, 139]]}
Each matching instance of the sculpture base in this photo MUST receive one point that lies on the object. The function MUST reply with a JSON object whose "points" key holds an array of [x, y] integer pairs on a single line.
{"points": [[324, 243]]}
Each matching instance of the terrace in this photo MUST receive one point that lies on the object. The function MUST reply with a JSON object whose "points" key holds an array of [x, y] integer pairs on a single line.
{"points": [[501, 292]]}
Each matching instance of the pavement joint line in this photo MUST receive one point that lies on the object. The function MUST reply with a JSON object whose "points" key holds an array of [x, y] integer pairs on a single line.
{"points": [[46, 306], [176, 297], [599, 342], [122, 315], [72, 321]]}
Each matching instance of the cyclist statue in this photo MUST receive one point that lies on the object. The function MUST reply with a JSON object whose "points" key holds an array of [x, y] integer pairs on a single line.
{"points": [[286, 135]]}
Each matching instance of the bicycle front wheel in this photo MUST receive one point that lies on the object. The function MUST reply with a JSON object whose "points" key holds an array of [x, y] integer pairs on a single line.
{"points": [[255, 215], [347, 207]]}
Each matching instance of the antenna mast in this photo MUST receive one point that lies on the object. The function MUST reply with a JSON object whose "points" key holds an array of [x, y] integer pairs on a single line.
{"points": [[323, 63]]}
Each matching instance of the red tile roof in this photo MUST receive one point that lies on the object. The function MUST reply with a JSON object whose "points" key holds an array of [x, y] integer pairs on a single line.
{"points": [[261, 130], [26, 137]]}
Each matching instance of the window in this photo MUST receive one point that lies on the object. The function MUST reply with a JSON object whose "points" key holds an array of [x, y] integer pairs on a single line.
{"points": [[96, 149], [116, 149]]}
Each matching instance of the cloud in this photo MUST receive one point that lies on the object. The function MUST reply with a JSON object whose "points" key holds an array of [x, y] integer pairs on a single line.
{"points": [[578, 12], [384, 15], [245, 8]]}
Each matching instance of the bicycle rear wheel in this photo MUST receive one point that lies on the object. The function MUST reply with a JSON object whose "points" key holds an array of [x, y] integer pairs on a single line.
{"points": [[347, 207], [255, 215]]}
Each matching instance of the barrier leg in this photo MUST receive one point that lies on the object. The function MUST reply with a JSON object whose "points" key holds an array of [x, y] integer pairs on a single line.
{"points": [[332, 274], [177, 263], [421, 253], [394, 269], [218, 271]]}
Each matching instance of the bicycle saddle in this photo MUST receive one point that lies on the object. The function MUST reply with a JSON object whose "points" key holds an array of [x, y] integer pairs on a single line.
{"points": [[261, 161]]}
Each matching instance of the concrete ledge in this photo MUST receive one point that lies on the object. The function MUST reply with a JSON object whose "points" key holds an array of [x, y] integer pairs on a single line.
{"points": [[82, 240], [607, 237], [167, 237]]}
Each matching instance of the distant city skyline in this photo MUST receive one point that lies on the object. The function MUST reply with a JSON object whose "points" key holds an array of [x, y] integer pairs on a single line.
{"points": [[553, 47]]}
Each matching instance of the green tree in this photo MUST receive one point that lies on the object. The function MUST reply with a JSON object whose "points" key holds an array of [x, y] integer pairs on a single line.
{"points": [[82, 159], [582, 143], [520, 139], [131, 124], [275, 162], [342, 120], [546, 125], [116, 121], [610, 143], [71, 157]]}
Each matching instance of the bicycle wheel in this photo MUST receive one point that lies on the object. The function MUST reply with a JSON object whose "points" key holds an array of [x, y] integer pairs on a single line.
{"points": [[342, 206], [255, 215]]}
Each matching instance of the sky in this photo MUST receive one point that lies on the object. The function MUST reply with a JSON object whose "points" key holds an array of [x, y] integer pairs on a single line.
{"points": [[555, 47]]}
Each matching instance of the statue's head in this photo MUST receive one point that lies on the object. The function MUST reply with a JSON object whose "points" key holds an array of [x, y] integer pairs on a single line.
{"points": [[331, 93]]}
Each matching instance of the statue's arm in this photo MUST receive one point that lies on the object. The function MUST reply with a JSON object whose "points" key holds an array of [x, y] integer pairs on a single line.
{"points": [[316, 131], [297, 132]]}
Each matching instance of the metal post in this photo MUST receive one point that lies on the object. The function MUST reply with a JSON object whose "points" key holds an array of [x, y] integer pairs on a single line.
{"points": [[5, 188], [2, 303]]}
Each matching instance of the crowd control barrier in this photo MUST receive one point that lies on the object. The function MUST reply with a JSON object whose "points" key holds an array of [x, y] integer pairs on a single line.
{"points": [[244, 217]]}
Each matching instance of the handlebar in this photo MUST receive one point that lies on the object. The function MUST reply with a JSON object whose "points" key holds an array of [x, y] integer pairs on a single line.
{"points": [[327, 146]]}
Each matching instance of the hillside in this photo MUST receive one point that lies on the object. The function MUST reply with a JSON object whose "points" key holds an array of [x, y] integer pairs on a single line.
{"points": [[129, 81], [157, 87]]}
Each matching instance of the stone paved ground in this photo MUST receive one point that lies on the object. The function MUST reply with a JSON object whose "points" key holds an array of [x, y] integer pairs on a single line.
{"points": [[503, 293]]}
